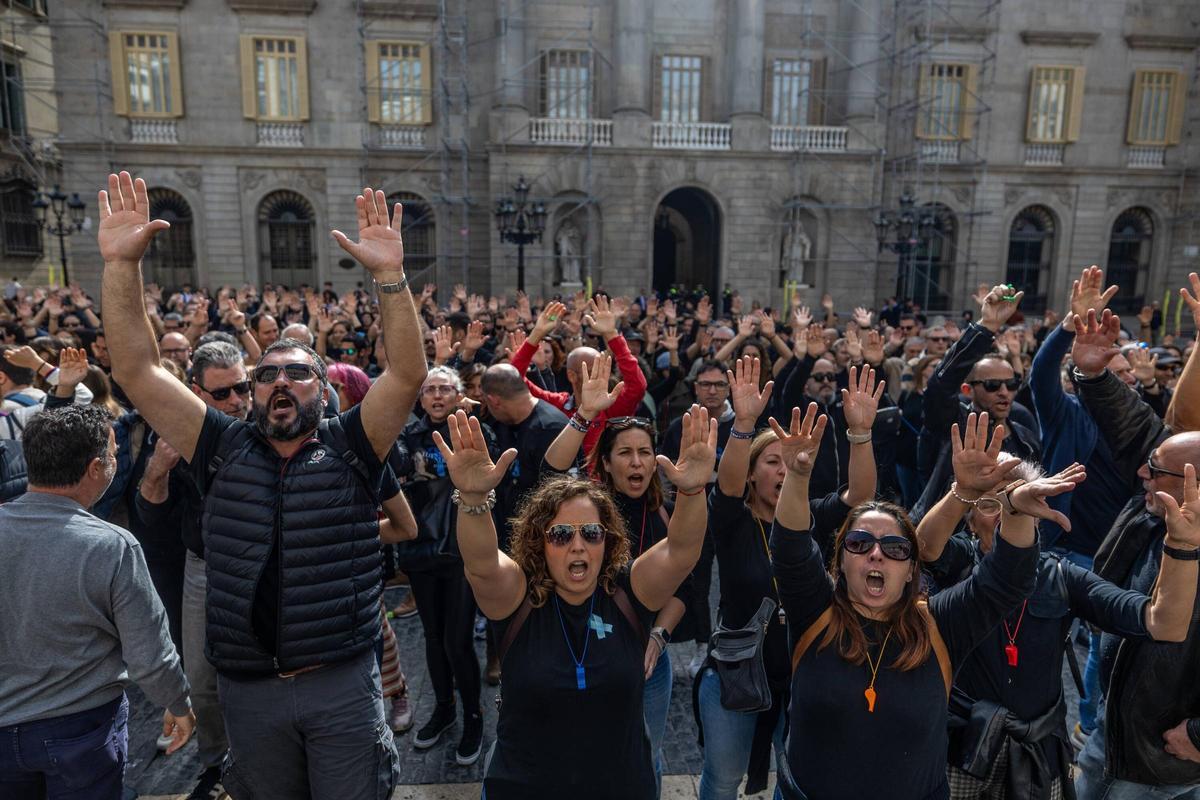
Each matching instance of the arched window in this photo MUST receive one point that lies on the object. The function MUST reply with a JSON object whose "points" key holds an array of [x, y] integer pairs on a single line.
{"points": [[1129, 258], [171, 260], [22, 235], [1031, 255], [419, 231], [933, 259], [286, 226]]}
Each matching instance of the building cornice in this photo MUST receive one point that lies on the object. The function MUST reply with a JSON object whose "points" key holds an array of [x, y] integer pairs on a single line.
{"points": [[947, 32], [1160, 41], [400, 9], [273, 6], [1060, 38], [153, 4]]}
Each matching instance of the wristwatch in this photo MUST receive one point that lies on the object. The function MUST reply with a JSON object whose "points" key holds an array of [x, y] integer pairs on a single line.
{"points": [[1005, 497], [661, 634], [392, 288]]}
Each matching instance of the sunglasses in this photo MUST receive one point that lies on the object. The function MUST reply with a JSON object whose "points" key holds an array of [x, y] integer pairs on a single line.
{"points": [[562, 535], [1155, 471], [348, 351], [296, 373], [242, 388], [824, 377], [938, 338], [712, 384], [994, 384], [625, 423], [860, 543]]}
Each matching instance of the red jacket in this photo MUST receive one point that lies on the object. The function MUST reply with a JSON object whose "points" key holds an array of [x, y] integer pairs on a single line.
{"points": [[626, 405]]}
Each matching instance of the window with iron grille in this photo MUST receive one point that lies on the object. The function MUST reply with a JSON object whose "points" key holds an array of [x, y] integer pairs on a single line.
{"points": [[286, 230], [22, 233], [566, 88], [171, 258], [419, 231], [682, 85]]}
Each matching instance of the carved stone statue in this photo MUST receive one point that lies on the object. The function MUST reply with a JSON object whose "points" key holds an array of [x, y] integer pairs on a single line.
{"points": [[797, 248], [569, 243]]}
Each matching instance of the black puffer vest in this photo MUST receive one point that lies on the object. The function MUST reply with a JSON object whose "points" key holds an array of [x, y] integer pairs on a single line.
{"points": [[12, 470], [318, 509]]}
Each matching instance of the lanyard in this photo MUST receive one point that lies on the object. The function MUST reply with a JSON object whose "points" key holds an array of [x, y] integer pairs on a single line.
{"points": [[763, 533], [642, 536], [869, 692], [580, 676], [1010, 649]]}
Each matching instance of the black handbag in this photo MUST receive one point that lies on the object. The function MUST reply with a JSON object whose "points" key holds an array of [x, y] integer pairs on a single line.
{"points": [[737, 656]]}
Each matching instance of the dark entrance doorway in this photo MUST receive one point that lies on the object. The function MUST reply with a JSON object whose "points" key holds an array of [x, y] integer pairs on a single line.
{"points": [[687, 241]]}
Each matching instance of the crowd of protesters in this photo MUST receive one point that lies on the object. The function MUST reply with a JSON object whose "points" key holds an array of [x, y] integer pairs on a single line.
{"points": [[206, 492]]}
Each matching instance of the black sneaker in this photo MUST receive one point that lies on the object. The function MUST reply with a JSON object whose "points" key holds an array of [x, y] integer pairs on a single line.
{"points": [[471, 744], [441, 721], [209, 786]]}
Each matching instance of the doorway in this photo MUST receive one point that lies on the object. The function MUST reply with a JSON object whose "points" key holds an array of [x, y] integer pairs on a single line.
{"points": [[687, 242]]}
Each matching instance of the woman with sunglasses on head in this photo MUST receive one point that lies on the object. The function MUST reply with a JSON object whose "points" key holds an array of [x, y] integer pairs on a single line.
{"points": [[1015, 674], [571, 611], [741, 512], [871, 661], [623, 461]]}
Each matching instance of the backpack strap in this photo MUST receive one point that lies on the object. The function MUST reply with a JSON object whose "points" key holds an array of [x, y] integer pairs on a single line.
{"points": [[514, 628], [626, 608], [810, 635], [23, 400], [331, 432]]}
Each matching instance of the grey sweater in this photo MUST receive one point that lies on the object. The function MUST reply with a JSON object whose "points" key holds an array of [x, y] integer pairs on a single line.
{"points": [[79, 617]]}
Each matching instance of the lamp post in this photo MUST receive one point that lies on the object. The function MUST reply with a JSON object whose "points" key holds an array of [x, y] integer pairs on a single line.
{"points": [[901, 231], [68, 219], [520, 222]]}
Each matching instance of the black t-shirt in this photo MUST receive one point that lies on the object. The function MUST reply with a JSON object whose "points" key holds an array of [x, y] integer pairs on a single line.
{"points": [[744, 566], [554, 739], [264, 613], [531, 437]]}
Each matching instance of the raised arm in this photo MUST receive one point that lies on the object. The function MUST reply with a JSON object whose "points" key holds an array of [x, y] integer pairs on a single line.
{"points": [[748, 403], [657, 573], [1174, 599], [497, 581], [381, 250], [1183, 414], [595, 398], [602, 319], [125, 233], [799, 443], [860, 403]]}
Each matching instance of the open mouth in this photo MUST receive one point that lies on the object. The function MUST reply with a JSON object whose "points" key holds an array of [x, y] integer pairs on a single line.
{"points": [[281, 402], [875, 583], [577, 570], [637, 480]]}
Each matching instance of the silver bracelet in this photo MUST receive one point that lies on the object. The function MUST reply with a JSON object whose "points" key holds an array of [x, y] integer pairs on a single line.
{"points": [[858, 438], [735, 433], [392, 288], [483, 508]]}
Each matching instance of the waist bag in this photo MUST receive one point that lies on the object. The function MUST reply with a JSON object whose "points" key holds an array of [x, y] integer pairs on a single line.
{"points": [[737, 655]]}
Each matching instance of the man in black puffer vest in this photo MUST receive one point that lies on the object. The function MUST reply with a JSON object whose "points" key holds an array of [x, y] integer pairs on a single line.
{"points": [[289, 525]]}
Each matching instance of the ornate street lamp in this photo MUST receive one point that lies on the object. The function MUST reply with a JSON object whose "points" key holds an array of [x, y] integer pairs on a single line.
{"points": [[901, 231], [68, 220], [520, 222]]}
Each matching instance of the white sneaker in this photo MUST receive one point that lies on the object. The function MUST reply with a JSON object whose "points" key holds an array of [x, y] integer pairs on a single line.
{"points": [[697, 661]]}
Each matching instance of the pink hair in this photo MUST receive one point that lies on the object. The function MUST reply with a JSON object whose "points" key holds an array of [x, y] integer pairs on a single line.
{"points": [[354, 381]]}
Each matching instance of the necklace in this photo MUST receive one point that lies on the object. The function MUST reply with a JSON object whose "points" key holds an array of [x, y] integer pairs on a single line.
{"points": [[1010, 649], [869, 693], [642, 536], [580, 675]]}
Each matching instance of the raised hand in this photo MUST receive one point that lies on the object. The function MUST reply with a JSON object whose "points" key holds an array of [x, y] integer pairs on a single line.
{"points": [[1183, 521], [697, 452], [827, 302], [1095, 341], [325, 320], [1146, 316], [670, 339], [800, 342], [547, 321], [23, 356], [236, 317], [460, 293], [72, 367], [651, 332], [853, 345], [379, 248], [860, 402], [600, 317], [669, 311], [524, 312], [801, 440], [747, 399], [1143, 364], [704, 311], [862, 317], [872, 348], [475, 337], [978, 467], [816, 341], [516, 340], [766, 326], [467, 460], [200, 315], [427, 291], [746, 326], [595, 396], [997, 309], [1030, 498], [1086, 292], [125, 225], [1192, 299], [443, 344]]}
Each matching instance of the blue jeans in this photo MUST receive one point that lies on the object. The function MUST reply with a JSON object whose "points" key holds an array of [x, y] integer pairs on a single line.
{"points": [[727, 739], [78, 756], [1091, 784], [656, 702]]}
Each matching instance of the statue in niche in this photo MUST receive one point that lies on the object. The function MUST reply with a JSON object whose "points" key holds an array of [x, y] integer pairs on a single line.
{"points": [[797, 248], [569, 243]]}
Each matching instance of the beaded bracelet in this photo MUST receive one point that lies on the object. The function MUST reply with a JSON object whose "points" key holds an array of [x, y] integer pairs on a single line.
{"points": [[579, 423], [735, 433]]}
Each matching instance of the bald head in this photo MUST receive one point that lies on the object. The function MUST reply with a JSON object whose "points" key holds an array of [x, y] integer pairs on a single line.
{"points": [[298, 332], [503, 381], [1171, 456], [580, 356]]}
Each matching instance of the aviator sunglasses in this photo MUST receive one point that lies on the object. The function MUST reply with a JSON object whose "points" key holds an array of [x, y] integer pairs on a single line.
{"points": [[562, 534], [897, 548]]}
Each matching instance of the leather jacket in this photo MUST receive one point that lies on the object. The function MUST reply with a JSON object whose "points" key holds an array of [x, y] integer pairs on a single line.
{"points": [[1152, 685]]}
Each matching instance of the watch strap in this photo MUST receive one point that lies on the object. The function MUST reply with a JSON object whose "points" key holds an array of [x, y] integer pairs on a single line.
{"points": [[392, 288], [1180, 554]]}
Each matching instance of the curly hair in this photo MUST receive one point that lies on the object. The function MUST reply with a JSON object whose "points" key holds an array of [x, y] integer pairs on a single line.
{"points": [[909, 619], [528, 541]]}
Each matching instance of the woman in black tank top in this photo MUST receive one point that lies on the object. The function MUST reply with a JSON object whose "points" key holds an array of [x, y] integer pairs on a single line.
{"points": [[569, 611]]}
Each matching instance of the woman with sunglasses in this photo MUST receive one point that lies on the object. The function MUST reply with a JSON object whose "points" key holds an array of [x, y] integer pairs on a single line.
{"points": [[571, 718], [623, 461], [741, 512], [871, 661], [1016, 672]]}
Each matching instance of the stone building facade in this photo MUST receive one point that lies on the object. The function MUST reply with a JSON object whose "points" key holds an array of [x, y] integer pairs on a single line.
{"points": [[749, 142]]}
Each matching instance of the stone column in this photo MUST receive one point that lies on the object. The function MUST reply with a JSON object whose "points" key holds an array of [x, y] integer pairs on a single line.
{"points": [[750, 130], [863, 68], [632, 20], [510, 116]]}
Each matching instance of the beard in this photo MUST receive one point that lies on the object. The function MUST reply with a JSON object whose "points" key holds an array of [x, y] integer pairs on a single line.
{"points": [[308, 416]]}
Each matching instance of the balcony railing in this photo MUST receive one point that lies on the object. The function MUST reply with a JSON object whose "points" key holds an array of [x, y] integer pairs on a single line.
{"points": [[1044, 155], [808, 138], [556, 130], [691, 135], [1147, 157], [153, 131], [940, 152], [402, 137], [281, 134]]}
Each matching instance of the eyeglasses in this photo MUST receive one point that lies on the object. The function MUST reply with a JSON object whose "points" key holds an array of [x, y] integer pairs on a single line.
{"points": [[860, 543], [1155, 471], [938, 338], [242, 388], [562, 535], [712, 385], [824, 377], [297, 373], [994, 384], [438, 389]]}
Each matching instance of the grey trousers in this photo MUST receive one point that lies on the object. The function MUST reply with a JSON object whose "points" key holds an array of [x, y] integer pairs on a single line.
{"points": [[320, 735], [210, 726]]}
